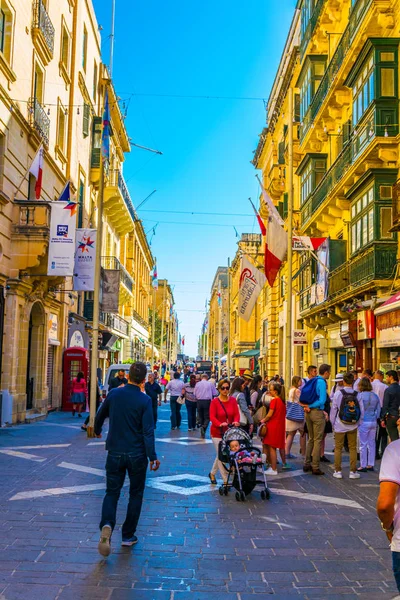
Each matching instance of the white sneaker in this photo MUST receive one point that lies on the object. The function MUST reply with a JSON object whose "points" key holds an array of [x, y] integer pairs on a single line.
{"points": [[338, 475], [271, 471], [354, 475]]}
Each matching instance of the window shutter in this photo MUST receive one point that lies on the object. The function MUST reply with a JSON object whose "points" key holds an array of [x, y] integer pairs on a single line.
{"points": [[281, 153], [297, 108], [86, 120], [285, 206]]}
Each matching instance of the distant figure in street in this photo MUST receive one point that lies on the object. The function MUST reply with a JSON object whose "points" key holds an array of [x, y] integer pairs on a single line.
{"points": [[391, 405], [130, 445], [275, 420], [98, 402], [117, 381], [191, 402], [379, 388], [154, 391], [174, 387], [367, 429], [204, 392], [79, 393]]}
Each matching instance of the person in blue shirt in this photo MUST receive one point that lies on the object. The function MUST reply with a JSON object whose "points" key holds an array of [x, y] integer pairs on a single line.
{"points": [[315, 420], [130, 444]]}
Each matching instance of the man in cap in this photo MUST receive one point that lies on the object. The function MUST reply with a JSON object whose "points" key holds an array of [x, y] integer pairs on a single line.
{"points": [[248, 378], [130, 445]]}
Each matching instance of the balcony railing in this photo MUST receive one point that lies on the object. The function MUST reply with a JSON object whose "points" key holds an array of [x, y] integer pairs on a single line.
{"points": [[356, 16], [39, 120], [139, 319], [41, 21], [112, 262], [310, 27], [108, 319], [117, 179]]}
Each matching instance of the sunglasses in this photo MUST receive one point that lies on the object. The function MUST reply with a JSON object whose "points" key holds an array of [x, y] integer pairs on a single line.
{"points": [[225, 387]]}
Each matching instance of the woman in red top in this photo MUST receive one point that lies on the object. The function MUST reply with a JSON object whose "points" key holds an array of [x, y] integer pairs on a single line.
{"points": [[224, 411], [276, 426], [79, 393]]}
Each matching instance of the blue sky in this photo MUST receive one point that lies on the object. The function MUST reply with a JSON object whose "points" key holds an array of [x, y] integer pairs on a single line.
{"points": [[182, 48]]}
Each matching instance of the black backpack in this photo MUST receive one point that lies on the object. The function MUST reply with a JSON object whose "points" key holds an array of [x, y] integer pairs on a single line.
{"points": [[349, 411]]}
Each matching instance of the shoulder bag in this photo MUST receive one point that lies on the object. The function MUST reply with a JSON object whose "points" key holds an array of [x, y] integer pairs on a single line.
{"points": [[294, 412], [243, 418]]}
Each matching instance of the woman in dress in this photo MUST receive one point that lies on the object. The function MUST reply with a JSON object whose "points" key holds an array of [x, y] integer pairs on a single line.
{"points": [[274, 438], [190, 401], [368, 427], [292, 427], [224, 411], [79, 393]]}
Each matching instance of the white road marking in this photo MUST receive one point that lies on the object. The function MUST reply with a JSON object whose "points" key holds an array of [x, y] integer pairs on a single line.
{"points": [[318, 498], [58, 491], [166, 484], [96, 443], [281, 525], [23, 455], [82, 469], [181, 441], [36, 447]]}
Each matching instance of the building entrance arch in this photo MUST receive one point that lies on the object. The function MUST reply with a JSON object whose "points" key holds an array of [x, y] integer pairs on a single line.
{"points": [[36, 350]]}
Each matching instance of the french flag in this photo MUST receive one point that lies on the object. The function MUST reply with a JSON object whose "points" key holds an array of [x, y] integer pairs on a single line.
{"points": [[36, 170]]}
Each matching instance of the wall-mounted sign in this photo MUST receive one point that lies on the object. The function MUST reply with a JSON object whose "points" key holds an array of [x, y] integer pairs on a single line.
{"points": [[366, 325], [299, 337]]}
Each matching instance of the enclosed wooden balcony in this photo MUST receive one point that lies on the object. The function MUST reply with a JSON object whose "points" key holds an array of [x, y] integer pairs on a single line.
{"points": [[31, 233]]}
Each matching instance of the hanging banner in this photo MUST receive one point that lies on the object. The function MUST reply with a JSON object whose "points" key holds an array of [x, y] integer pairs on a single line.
{"points": [[85, 258], [251, 282], [62, 239], [321, 288], [111, 279]]}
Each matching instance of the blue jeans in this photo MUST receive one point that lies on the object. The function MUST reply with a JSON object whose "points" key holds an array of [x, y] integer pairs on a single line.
{"points": [[117, 465], [175, 411], [396, 568], [191, 408]]}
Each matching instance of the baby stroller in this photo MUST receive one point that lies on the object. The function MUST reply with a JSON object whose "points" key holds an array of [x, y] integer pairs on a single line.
{"points": [[241, 476]]}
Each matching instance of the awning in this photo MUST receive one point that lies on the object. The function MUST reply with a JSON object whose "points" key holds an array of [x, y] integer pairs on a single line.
{"points": [[248, 354], [392, 304]]}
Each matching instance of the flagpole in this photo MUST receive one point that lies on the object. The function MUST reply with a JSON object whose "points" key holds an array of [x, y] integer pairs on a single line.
{"points": [[289, 323], [96, 298], [162, 321], [221, 342]]}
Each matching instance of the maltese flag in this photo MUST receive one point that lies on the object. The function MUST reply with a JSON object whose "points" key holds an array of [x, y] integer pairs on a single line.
{"points": [[36, 169], [275, 248]]}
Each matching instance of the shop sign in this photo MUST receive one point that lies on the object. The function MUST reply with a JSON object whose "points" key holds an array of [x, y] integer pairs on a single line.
{"points": [[77, 340], [299, 337], [52, 327], [334, 339], [388, 338], [366, 325], [62, 239]]}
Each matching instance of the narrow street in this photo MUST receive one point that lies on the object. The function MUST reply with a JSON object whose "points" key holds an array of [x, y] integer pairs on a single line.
{"points": [[315, 537]]}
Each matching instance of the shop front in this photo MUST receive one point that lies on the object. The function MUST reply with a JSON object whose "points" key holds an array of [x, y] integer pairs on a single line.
{"points": [[338, 353], [388, 333]]}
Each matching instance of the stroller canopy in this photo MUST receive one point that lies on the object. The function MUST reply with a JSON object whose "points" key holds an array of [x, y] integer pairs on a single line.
{"points": [[238, 434]]}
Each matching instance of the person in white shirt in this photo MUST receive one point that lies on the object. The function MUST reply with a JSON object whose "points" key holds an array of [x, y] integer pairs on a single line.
{"points": [[388, 505], [341, 429], [204, 392], [174, 387], [365, 373], [379, 388]]}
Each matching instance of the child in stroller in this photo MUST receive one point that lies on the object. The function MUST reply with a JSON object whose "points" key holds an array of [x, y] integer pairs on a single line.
{"points": [[244, 460]]}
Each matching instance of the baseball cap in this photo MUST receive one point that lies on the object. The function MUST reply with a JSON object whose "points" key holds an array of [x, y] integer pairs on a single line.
{"points": [[137, 372]]}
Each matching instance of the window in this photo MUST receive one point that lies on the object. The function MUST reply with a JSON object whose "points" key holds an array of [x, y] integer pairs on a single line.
{"points": [[386, 218], [306, 12], [64, 59], [309, 80], [2, 29], [81, 202], [86, 120], [61, 128], [363, 90], [95, 81], [84, 48], [6, 30], [38, 84], [362, 220], [311, 175]]}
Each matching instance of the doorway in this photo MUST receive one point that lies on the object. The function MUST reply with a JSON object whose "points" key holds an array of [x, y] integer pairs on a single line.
{"points": [[36, 345]]}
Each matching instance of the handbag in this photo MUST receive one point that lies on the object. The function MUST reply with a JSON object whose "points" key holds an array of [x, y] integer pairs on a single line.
{"points": [[294, 412], [262, 431], [181, 400]]}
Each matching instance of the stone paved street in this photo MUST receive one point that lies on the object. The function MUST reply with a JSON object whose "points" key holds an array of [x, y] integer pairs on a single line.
{"points": [[315, 537]]}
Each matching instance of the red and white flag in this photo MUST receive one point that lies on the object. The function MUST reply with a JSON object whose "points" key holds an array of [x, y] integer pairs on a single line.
{"points": [[259, 219], [183, 341], [301, 242], [36, 169]]}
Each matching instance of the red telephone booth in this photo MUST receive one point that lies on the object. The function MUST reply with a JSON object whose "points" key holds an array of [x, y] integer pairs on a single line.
{"points": [[74, 360]]}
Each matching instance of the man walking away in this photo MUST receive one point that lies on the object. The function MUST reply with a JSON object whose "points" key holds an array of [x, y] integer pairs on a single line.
{"points": [[347, 414], [379, 388], [388, 505], [315, 418], [174, 387], [154, 391], [118, 381], [204, 392], [391, 405], [130, 445]]}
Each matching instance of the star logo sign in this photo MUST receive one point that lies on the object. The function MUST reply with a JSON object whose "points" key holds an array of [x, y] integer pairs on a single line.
{"points": [[85, 244], [72, 207]]}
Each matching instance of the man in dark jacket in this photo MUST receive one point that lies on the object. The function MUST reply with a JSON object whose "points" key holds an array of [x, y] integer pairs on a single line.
{"points": [[130, 445], [154, 391], [391, 405], [117, 381]]}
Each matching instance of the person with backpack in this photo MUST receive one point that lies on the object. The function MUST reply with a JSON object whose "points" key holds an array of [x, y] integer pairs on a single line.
{"points": [[313, 398], [347, 414]]}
